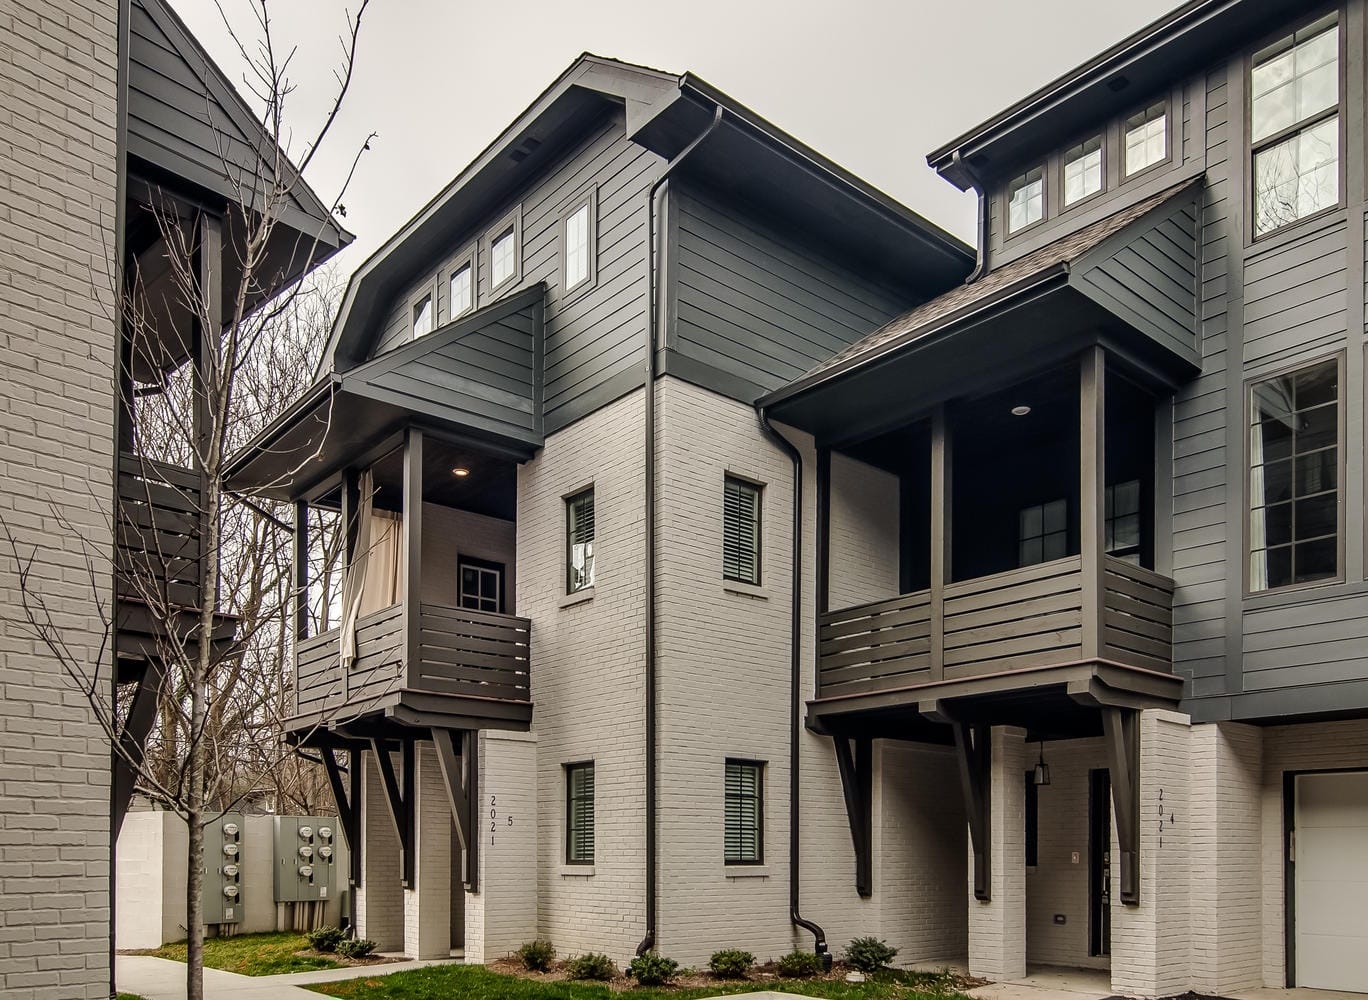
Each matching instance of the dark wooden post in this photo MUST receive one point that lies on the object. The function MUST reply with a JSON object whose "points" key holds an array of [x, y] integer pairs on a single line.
{"points": [[301, 590], [350, 517], [940, 536], [823, 560], [413, 548], [1092, 480]]}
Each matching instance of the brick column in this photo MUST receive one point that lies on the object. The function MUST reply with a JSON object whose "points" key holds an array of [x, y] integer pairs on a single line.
{"points": [[997, 928], [502, 916], [427, 905], [380, 900]]}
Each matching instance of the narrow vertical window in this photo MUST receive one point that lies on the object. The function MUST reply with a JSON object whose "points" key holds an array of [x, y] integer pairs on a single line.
{"points": [[1026, 200], [462, 287], [579, 814], [577, 247], [1294, 125], [745, 819], [503, 254], [579, 531], [1083, 170], [1147, 138], [422, 317], [741, 531], [1032, 821], [1123, 521], [1294, 466], [1043, 532]]}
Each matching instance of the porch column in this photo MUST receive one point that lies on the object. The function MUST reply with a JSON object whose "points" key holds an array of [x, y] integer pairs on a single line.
{"points": [[940, 536], [301, 591], [412, 540], [427, 902], [1092, 480], [380, 899], [997, 926]]}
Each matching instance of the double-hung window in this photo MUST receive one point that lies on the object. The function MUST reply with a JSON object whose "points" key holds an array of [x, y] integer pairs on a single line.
{"points": [[1026, 200], [1083, 170], [502, 253], [423, 316], [740, 531], [745, 813], [1123, 521], [579, 541], [1294, 125], [1294, 473], [1146, 138], [579, 813], [461, 285], [579, 243]]}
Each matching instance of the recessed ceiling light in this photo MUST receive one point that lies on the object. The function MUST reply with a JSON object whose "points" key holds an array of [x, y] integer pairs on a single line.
{"points": [[460, 472], [1020, 411]]}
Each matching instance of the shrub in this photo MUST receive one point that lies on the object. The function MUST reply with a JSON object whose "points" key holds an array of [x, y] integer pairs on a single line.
{"points": [[651, 969], [869, 954], [590, 966], [355, 947], [731, 963], [800, 965], [324, 939], [536, 956]]}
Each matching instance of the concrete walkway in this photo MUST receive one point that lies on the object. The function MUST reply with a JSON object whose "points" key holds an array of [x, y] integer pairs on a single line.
{"points": [[1045, 983], [160, 979]]}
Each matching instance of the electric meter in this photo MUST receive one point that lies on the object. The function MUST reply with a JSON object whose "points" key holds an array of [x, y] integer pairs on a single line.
{"points": [[231, 850]]}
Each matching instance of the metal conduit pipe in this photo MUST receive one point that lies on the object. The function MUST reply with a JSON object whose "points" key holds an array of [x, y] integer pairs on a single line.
{"points": [[648, 942]]}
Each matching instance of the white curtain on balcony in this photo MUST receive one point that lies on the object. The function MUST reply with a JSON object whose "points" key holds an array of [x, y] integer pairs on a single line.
{"points": [[371, 581]]}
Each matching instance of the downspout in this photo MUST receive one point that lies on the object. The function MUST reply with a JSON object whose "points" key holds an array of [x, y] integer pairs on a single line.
{"points": [[819, 944], [648, 942], [981, 263]]}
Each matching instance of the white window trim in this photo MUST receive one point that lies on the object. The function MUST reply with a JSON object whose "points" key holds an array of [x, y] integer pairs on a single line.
{"points": [[1126, 173], [427, 289], [466, 258], [585, 198], [513, 221]]}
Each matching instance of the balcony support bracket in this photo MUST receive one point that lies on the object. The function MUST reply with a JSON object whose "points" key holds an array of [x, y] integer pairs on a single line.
{"points": [[855, 761], [348, 799], [401, 802], [973, 749], [133, 741], [461, 772], [1121, 729]]}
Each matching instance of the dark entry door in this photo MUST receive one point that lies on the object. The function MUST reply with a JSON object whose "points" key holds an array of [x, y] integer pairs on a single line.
{"points": [[1099, 862]]}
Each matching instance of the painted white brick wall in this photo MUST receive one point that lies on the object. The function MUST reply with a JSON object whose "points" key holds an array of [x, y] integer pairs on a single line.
{"points": [[864, 533], [588, 676], [504, 914], [997, 927], [427, 906], [380, 899], [57, 213]]}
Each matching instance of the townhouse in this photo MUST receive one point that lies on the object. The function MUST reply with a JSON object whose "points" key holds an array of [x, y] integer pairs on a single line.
{"points": [[121, 135], [733, 559]]}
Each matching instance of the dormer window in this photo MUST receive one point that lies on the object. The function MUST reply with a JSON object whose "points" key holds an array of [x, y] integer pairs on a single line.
{"points": [[501, 257], [422, 316], [1083, 171], [1026, 200], [1147, 138], [462, 288]]}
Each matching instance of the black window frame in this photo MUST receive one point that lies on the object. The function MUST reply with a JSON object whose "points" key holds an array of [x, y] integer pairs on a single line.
{"points": [[571, 797], [1031, 809], [757, 491], [759, 799], [1022, 537], [489, 565], [1111, 517], [571, 500]]}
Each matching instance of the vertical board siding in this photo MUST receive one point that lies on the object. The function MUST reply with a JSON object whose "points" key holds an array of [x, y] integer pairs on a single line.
{"points": [[755, 306]]}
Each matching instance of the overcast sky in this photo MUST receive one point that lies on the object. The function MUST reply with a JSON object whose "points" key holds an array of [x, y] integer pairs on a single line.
{"points": [[872, 84]]}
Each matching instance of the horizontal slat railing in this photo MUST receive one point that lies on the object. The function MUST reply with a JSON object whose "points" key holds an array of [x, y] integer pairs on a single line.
{"points": [[875, 647], [159, 548], [1022, 618], [474, 654], [1138, 616]]}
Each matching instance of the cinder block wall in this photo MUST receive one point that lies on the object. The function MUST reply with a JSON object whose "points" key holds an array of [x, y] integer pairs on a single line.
{"points": [[58, 67]]}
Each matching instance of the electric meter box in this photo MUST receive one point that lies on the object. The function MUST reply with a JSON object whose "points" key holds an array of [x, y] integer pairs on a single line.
{"points": [[305, 858], [223, 865]]}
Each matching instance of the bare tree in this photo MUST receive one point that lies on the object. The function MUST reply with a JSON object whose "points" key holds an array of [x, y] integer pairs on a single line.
{"points": [[220, 686]]}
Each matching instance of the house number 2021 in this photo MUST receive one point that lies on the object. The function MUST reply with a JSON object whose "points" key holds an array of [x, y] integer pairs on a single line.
{"points": [[494, 819]]}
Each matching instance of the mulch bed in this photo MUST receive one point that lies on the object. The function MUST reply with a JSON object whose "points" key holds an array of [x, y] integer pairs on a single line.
{"points": [[695, 978]]}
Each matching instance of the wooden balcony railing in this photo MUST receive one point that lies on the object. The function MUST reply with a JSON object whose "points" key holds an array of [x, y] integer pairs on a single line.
{"points": [[158, 533], [1029, 617], [470, 654]]}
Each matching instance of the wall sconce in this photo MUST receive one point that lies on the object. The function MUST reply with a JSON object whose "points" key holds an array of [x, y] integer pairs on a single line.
{"points": [[1041, 774]]}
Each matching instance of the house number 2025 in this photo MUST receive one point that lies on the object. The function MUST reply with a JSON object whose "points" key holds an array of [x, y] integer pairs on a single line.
{"points": [[494, 818]]}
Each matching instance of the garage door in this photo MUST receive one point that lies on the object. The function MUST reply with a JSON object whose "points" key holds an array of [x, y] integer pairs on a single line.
{"points": [[1332, 881]]}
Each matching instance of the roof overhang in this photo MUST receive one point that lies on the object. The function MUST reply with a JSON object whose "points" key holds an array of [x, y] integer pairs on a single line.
{"points": [[1152, 59]]}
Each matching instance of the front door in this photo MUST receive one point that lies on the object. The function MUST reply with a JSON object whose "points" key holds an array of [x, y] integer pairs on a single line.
{"points": [[1330, 880], [481, 584], [1099, 861]]}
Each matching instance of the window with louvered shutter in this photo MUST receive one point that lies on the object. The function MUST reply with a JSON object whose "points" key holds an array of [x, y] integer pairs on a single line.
{"points": [[745, 822], [741, 531], [579, 532], [579, 814]]}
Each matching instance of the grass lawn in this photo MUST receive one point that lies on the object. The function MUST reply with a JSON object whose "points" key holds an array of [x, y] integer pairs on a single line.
{"points": [[128, 996], [252, 954], [473, 982]]}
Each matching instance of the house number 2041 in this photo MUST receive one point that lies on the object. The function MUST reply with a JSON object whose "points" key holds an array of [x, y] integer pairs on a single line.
{"points": [[494, 819]]}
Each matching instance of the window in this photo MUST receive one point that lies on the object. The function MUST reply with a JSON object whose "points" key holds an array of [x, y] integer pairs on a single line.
{"points": [[745, 819], [1083, 170], [1123, 521], [579, 534], [579, 814], [462, 288], [1044, 532], [422, 316], [1294, 126], [1026, 200], [1294, 477], [578, 243], [503, 252], [741, 531], [1032, 821], [1147, 138], [480, 585]]}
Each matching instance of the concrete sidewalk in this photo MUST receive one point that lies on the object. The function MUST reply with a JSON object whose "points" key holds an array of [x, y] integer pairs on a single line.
{"points": [[160, 979]]}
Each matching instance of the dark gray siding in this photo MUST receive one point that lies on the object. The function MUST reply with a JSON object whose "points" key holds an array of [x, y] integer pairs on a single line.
{"points": [[750, 309], [594, 349]]}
